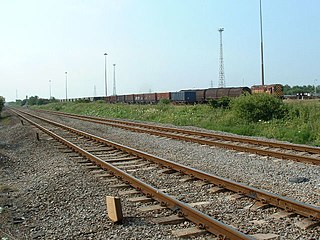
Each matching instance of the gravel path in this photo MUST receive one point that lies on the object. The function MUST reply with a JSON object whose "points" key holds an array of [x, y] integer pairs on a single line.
{"points": [[78, 210]]}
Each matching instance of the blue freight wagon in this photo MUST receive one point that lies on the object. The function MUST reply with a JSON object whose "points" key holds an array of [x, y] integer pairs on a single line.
{"points": [[183, 97]]}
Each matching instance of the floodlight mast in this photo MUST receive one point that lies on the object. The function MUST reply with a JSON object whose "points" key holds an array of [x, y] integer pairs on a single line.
{"points": [[261, 38], [222, 82]]}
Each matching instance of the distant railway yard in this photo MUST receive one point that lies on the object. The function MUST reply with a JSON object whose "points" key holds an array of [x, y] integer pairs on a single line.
{"points": [[173, 182]]}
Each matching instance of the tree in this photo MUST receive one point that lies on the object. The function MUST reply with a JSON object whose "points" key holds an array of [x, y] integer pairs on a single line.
{"points": [[33, 100], [2, 101]]}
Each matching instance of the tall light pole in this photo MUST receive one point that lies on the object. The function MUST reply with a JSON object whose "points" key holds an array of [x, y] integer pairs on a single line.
{"points": [[315, 86], [50, 89], [222, 82], [105, 72], [114, 80], [66, 74], [261, 38]]}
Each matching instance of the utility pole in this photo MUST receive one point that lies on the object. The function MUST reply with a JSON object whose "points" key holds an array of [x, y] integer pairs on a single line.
{"points": [[66, 73], [105, 73], [49, 89], [261, 38], [114, 80], [222, 82]]}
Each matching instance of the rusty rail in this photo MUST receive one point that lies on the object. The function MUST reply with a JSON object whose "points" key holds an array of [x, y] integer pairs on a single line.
{"points": [[159, 132], [204, 221], [285, 203]]}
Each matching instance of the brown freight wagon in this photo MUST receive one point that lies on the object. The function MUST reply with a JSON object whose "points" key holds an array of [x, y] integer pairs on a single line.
{"points": [[139, 98], [111, 99], [150, 98], [165, 95], [129, 98], [200, 95], [215, 93]]}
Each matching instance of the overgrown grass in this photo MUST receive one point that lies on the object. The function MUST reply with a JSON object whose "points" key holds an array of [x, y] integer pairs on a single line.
{"points": [[300, 125]]}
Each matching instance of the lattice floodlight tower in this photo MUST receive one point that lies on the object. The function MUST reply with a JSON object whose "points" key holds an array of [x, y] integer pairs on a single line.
{"points": [[222, 82]]}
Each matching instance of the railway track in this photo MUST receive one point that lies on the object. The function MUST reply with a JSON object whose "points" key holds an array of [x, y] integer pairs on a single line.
{"points": [[301, 153], [99, 155]]}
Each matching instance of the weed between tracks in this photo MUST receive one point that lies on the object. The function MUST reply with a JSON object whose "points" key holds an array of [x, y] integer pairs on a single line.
{"points": [[300, 125]]}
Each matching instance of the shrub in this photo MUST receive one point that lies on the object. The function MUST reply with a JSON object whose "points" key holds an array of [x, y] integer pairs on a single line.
{"points": [[258, 107], [164, 101], [82, 101], [223, 102], [2, 101]]}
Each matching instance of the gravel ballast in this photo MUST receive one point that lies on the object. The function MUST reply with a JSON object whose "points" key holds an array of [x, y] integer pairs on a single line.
{"points": [[46, 195], [67, 202]]}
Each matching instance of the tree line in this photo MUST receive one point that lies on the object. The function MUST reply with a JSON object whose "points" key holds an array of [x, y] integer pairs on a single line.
{"points": [[33, 100], [287, 90]]}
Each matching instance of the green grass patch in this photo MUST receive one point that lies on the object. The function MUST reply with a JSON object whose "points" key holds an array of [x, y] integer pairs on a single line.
{"points": [[300, 124]]}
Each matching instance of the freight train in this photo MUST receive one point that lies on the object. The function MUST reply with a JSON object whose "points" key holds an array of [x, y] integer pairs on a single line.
{"points": [[189, 96]]}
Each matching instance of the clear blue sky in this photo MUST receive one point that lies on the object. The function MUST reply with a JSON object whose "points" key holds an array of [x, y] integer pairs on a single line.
{"points": [[157, 45]]}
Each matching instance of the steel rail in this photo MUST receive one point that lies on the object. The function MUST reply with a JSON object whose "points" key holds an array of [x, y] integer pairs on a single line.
{"points": [[263, 152], [296, 147], [202, 220], [262, 196]]}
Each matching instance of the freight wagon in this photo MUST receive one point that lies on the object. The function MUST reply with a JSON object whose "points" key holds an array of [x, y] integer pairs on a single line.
{"points": [[166, 95], [150, 98], [129, 98], [187, 96], [139, 98], [216, 93], [273, 89], [200, 94], [183, 97]]}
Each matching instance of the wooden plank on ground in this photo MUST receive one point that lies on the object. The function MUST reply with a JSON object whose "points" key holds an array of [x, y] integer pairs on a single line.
{"points": [[114, 208]]}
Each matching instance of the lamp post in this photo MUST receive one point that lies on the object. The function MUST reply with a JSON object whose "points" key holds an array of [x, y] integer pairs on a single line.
{"points": [[66, 74], [49, 89], [114, 80], [315, 86], [105, 73], [261, 38]]}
